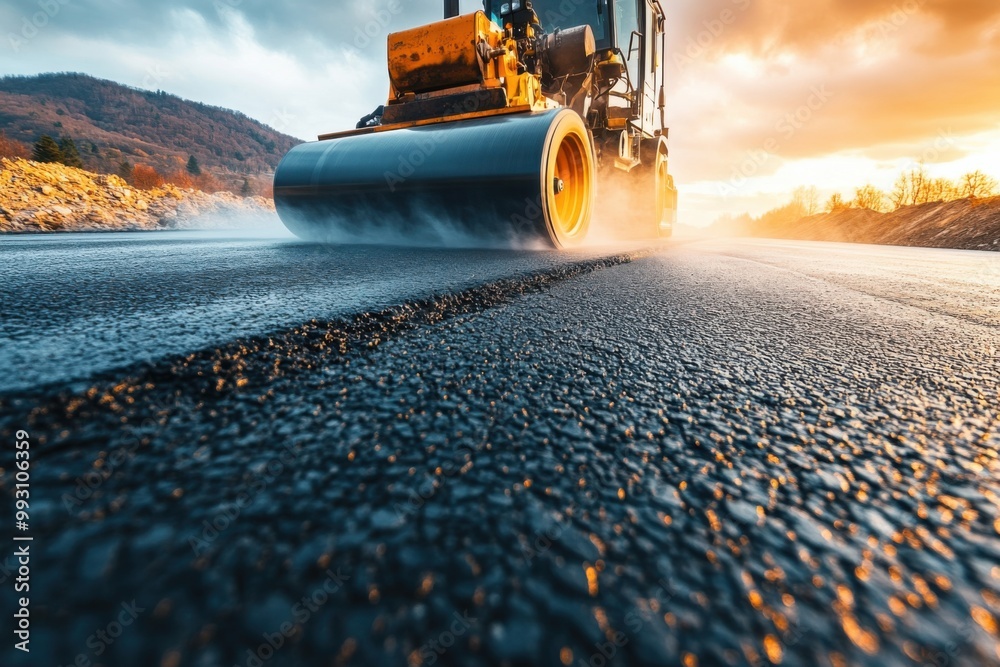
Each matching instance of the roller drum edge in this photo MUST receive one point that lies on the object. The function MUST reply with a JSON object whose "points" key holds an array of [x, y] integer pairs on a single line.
{"points": [[519, 180]]}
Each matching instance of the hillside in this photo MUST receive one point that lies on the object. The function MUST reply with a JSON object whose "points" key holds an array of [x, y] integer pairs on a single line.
{"points": [[972, 224], [38, 197], [110, 123]]}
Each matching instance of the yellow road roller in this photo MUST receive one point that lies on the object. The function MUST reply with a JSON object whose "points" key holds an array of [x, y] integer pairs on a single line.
{"points": [[512, 126]]}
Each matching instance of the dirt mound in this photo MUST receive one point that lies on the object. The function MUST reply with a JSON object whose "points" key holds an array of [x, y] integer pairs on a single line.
{"points": [[38, 197], [966, 223], [972, 224]]}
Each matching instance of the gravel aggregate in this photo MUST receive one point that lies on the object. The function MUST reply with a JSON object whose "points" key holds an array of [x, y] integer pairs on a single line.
{"points": [[701, 456]]}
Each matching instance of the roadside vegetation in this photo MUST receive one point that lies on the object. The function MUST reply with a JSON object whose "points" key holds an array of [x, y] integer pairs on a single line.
{"points": [[913, 188], [64, 150], [142, 136]]}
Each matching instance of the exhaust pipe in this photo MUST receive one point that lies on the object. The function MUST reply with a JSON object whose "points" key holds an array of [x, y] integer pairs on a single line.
{"points": [[451, 9]]}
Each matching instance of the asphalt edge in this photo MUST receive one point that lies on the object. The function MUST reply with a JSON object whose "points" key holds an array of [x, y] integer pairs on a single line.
{"points": [[212, 372]]}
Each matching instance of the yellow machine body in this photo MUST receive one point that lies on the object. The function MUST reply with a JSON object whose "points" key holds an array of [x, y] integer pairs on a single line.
{"points": [[461, 54], [478, 143], [441, 55]]}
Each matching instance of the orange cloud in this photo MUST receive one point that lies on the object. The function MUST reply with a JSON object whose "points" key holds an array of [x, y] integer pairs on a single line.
{"points": [[899, 74]]}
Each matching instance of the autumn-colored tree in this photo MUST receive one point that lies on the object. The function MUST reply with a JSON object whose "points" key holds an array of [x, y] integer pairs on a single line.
{"points": [[869, 197], [181, 179], [836, 203], [10, 148], [976, 185], [145, 177], [207, 183]]}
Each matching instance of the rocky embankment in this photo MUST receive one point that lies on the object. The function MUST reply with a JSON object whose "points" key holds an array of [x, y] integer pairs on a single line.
{"points": [[38, 197]]}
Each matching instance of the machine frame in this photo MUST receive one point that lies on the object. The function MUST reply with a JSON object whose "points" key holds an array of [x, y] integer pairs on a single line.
{"points": [[471, 72]]}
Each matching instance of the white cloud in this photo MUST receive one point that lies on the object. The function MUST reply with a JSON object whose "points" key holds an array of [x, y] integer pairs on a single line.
{"points": [[229, 68]]}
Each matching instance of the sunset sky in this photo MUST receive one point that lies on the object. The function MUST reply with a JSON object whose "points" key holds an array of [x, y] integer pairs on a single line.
{"points": [[842, 92]]}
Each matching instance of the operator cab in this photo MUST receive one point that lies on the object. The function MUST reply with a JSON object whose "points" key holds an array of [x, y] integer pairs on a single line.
{"points": [[631, 31], [593, 13]]}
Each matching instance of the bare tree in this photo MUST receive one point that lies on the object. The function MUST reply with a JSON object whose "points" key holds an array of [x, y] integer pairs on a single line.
{"points": [[977, 185], [900, 195], [919, 185], [941, 189], [949, 190], [13, 149], [807, 199], [836, 203], [870, 197], [912, 187]]}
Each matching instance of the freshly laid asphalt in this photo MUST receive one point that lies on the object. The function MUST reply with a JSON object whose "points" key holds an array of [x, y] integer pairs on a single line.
{"points": [[715, 453], [78, 304]]}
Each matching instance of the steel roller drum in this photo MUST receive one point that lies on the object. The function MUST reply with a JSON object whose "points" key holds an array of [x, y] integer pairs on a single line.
{"points": [[515, 180]]}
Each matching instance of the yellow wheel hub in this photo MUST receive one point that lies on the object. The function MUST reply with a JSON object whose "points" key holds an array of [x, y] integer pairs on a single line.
{"points": [[568, 179]]}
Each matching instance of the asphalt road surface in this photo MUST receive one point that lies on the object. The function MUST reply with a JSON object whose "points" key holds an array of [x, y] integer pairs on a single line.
{"points": [[721, 452]]}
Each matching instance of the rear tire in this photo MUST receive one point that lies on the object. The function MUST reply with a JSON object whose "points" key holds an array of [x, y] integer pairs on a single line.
{"points": [[641, 204], [658, 209]]}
